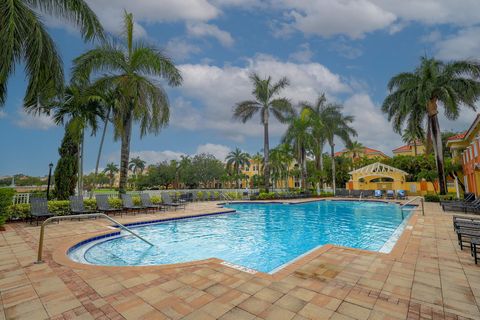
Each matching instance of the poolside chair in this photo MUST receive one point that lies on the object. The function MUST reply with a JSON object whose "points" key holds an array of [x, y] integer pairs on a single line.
{"points": [[368, 193], [341, 193], [147, 203], [39, 210], [77, 206], [128, 204], [390, 194], [468, 197], [401, 195], [356, 193], [167, 201], [378, 194], [104, 206], [473, 206]]}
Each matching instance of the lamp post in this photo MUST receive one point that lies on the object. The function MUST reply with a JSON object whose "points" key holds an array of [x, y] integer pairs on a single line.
{"points": [[50, 166]]}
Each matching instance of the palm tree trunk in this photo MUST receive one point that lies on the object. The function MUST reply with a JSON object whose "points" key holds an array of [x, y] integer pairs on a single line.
{"points": [[415, 148], [102, 140], [266, 154], [304, 169], [332, 152], [80, 163], [438, 150], [125, 152]]}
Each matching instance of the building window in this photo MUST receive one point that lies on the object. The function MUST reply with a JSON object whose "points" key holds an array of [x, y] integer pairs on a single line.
{"points": [[475, 149]]}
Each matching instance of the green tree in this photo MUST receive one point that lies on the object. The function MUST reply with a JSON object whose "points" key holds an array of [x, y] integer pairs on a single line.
{"points": [[131, 69], [412, 135], [205, 169], [235, 160], [415, 96], [110, 170], [137, 165], [355, 148], [24, 39], [299, 136], [265, 103], [66, 171], [78, 107]]}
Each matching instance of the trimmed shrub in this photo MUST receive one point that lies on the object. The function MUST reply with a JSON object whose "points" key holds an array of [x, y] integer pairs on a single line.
{"points": [[6, 198], [325, 194], [432, 198]]}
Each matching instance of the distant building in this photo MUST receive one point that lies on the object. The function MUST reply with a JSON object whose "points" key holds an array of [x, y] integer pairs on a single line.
{"points": [[367, 153], [465, 150], [409, 149]]}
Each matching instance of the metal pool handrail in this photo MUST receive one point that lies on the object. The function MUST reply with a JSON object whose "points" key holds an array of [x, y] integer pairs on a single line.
{"points": [[81, 216], [422, 201]]}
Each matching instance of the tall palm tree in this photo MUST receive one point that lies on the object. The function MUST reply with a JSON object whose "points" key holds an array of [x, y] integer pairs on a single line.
{"points": [[237, 159], [265, 103], [335, 124], [355, 148], [79, 108], [299, 136], [137, 165], [24, 39], [131, 69], [412, 135], [415, 96], [110, 170]]}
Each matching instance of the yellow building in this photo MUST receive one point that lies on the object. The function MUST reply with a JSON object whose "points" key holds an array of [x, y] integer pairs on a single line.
{"points": [[465, 150], [367, 153], [256, 169], [409, 149]]}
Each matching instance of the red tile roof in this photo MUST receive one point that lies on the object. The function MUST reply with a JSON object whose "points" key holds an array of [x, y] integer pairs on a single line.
{"points": [[402, 148], [458, 136], [366, 150]]}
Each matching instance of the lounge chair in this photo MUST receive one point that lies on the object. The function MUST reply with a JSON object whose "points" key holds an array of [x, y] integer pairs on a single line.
{"points": [[104, 206], [167, 201], [401, 195], [39, 209], [473, 206], [356, 193], [147, 203], [77, 206], [468, 197], [341, 193], [368, 193], [465, 235], [378, 194], [390, 194], [128, 204]]}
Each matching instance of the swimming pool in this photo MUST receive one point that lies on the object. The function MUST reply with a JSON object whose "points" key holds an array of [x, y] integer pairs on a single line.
{"points": [[263, 237]]}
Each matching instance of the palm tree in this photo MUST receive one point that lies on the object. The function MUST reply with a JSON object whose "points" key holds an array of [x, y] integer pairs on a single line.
{"points": [[79, 107], [264, 92], [24, 39], [412, 135], [130, 70], [335, 124], [299, 136], [415, 96], [237, 159], [110, 170], [137, 165], [355, 148]]}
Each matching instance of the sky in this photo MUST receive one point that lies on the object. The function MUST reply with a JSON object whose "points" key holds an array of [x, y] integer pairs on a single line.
{"points": [[347, 49]]}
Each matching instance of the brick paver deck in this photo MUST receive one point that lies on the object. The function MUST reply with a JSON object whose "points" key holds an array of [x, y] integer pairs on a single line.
{"points": [[426, 276]]}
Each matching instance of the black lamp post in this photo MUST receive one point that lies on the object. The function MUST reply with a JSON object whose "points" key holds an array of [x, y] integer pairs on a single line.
{"points": [[50, 166]]}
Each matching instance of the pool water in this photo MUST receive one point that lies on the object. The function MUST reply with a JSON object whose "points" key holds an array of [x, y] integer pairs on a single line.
{"points": [[263, 237]]}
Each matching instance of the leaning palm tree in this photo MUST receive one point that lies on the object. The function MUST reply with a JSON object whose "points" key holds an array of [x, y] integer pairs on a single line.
{"points": [[137, 165], [110, 170], [415, 96], [131, 69], [265, 103], [78, 107], [236, 159], [335, 124], [299, 136], [24, 39]]}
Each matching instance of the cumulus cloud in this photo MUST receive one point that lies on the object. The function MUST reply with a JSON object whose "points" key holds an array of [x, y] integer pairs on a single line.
{"points": [[219, 151], [303, 54], [210, 93], [153, 157], [209, 30], [180, 49], [31, 121], [465, 44]]}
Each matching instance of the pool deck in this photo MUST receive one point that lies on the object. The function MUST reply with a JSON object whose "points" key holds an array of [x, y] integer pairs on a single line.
{"points": [[426, 276]]}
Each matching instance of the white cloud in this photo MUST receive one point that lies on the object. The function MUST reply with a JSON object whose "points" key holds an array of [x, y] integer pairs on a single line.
{"points": [[181, 49], [218, 89], [303, 54], [463, 45], [346, 50], [219, 151], [372, 126], [154, 157], [31, 121], [201, 29]]}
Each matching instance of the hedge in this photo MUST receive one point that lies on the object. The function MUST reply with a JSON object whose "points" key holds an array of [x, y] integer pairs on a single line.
{"points": [[62, 207], [6, 198]]}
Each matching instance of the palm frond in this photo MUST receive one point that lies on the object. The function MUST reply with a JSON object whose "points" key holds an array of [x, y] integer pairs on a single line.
{"points": [[245, 110]]}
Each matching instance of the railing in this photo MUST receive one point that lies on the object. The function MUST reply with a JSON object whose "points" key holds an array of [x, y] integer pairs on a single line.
{"points": [[361, 195], [422, 201], [81, 216]]}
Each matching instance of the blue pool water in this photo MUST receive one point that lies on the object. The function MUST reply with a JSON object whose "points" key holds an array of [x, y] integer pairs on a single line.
{"points": [[258, 236]]}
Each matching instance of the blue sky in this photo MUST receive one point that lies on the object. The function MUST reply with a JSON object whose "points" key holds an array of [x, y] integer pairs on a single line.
{"points": [[348, 49]]}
